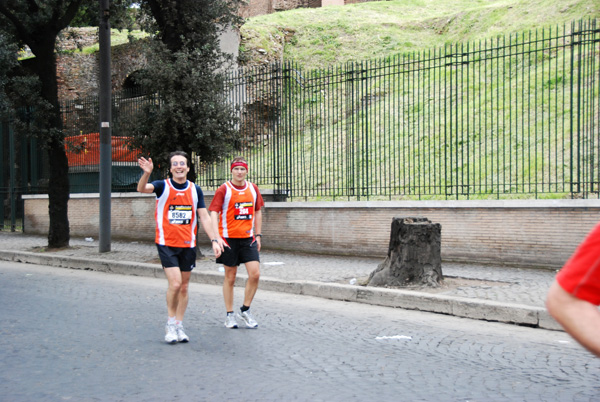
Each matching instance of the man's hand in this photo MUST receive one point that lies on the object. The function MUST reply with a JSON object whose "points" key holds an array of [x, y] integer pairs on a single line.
{"points": [[217, 248], [146, 164]]}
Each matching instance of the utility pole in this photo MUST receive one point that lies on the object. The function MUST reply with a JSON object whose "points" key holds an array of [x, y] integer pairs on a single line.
{"points": [[105, 129]]}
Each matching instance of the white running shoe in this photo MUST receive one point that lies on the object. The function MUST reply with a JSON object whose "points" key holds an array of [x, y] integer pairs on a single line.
{"points": [[230, 322], [181, 336], [171, 333], [248, 319]]}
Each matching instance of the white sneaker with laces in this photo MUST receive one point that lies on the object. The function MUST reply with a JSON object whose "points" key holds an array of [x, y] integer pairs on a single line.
{"points": [[181, 335], [247, 318], [171, 333], [230, 321]]}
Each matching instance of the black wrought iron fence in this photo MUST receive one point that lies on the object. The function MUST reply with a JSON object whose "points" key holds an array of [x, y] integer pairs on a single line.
{"points": [[21, 172], [513, 117]]}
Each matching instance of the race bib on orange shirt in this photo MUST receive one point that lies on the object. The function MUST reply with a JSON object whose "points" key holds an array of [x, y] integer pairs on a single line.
{"points": [[243, 211], [180, 214]]}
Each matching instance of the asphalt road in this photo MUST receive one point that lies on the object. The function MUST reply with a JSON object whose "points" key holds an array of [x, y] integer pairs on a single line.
{"points": [[69, 335]]}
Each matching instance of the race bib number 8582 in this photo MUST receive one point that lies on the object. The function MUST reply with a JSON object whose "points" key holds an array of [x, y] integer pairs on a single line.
{"points": [[180, 214]]}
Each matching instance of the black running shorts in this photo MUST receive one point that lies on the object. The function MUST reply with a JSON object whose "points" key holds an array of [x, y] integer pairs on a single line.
{"points": [[239, 251], [182, 257]]}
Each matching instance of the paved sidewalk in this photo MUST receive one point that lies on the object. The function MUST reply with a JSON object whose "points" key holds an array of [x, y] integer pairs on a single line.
{"points": [[494, 293]]}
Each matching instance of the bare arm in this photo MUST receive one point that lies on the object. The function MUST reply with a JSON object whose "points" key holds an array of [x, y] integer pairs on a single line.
{"points": [[258, 227], [214, 217], [579, 318], [207, 225], [147, 166]]}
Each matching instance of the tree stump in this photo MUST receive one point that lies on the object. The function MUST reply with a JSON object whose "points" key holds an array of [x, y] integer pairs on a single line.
{"points": [[414, 255]]}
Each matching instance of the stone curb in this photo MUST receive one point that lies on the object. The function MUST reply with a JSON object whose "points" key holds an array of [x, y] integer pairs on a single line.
{"points": [[411, 300]]}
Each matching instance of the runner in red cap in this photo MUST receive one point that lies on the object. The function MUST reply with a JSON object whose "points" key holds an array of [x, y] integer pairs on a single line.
{"points": [[237, 217]]}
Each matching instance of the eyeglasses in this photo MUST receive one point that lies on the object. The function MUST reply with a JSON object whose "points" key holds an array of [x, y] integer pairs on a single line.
{"points": [[180, 163]]}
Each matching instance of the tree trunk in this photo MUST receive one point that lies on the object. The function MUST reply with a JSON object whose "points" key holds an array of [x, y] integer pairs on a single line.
{"points": [[58, 196], [58, 191], [414, 257], [37, 25]]}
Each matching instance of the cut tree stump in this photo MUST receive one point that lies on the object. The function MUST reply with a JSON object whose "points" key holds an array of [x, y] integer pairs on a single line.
{"points": [[414, 255]]}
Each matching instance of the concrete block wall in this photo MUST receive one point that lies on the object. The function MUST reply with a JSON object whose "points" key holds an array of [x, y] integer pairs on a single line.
{"points": [[131, 216], [532, 233]]}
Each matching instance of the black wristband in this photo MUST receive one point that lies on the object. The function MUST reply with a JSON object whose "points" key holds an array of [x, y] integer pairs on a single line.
{"points": [[258, 235], [215, 240]]}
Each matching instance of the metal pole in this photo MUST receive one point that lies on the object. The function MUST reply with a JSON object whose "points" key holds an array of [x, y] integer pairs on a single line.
{"points": [[105, 129], [3, 133], [12, 175]]}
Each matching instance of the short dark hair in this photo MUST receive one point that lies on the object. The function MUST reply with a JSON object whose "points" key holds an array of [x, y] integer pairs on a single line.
{"points": [[180, 153], [239, 159]]}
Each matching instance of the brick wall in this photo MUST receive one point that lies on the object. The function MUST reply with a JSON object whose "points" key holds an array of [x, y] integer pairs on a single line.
{"points": [[527, 233], [77, 73], [534, 233], [254, 8]]}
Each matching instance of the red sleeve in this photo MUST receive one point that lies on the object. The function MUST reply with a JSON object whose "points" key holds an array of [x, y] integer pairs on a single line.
{"points": [[259, 200], [217, 202], [580, 275]]}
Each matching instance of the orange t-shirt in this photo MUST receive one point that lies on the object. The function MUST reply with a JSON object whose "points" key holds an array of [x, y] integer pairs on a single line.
{"points": [[236, 208]]}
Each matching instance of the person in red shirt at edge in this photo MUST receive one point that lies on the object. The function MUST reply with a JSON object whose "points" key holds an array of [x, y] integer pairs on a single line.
{"points": [[237, 216], [179, 204], [574, 296]]}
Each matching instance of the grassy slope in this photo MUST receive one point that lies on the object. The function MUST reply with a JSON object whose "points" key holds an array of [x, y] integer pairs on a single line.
{"points": [[327, 36], [332, 35]]}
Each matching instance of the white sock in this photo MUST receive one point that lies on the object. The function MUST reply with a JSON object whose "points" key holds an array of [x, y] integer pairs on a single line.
{"points": [[172, 320]]}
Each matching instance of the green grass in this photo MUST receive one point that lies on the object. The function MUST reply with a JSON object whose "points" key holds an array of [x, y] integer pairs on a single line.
{"points": [[8, 225], [329, 37], [321, 37], [116, 38], [506, 131]]}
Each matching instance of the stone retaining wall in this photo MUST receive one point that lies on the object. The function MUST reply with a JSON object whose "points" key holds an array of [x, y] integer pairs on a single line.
{"points": [[533, 233], [77, 73]]}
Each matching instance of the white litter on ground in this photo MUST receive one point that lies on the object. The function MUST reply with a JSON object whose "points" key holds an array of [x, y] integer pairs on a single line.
{"points": [[394, 337]]}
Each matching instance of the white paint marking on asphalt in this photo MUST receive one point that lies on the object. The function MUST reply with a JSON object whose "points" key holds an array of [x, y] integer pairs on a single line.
{"points": [[394, 337], [273, 263]]}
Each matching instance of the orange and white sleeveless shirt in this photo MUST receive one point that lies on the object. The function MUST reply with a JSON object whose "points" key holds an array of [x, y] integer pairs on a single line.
{"points": [[176, 221], [236, 218]]}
